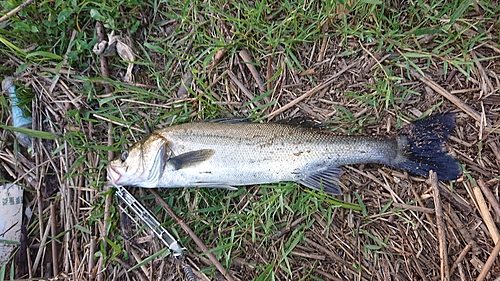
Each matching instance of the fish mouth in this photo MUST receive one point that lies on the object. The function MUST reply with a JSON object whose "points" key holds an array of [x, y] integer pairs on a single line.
{"points": [[113, 175]]}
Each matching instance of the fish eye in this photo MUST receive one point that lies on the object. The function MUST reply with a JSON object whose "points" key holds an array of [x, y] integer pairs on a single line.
{"points": [[124, 156]]}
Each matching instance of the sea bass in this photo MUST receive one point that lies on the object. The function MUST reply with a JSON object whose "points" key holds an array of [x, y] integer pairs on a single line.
{"points": [[230, 153]]}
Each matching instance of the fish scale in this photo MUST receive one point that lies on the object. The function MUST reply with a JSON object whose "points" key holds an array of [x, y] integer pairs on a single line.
{"points": [[229, 154]]}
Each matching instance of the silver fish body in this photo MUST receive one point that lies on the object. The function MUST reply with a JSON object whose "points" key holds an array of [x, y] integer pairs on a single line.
{"points": [[229, 154]]}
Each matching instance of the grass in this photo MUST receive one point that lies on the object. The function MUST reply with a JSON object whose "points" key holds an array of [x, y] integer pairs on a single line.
{"points": [[269, 232]]}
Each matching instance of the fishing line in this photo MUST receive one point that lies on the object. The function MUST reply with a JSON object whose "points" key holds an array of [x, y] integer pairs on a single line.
{"points": [[174, 246]]}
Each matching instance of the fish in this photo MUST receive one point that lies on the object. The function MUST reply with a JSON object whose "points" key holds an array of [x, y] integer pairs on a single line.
{"points": [[229, 153]]}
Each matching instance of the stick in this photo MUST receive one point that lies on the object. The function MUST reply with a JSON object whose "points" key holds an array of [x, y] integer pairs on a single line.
{"points": [[485, 213], [104, 61], [91, 261], [53, 233], [195, 238], [413, 208], [17, 9], [443, 253], [242, 88], [486, 85], [309, 93], [248, 62], [489, 195], [489, 263], [460, 258]]}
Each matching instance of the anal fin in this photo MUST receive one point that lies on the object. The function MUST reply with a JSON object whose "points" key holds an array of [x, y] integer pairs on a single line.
{"points": [[326, 180], [216, 185]]}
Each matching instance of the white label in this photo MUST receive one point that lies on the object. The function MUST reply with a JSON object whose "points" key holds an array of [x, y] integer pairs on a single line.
{"points": [[11, 207]]}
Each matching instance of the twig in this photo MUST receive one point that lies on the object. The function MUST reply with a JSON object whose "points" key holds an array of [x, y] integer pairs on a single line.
{"points": [[413, 208], [454, 199], [243, 88], [217, 58], [462, 255], [309, 93], [108, 202], [486, 85], [308, 255], [489, 263], [422, 205], [17, 9], [443, 253], [53, 233], [456, 101], [489, 195], [323, 249], [93, 242], [485, 213], [128, 267], [324, 41], [41, 249], [288, 228], [469, 238], [102, 58], [99, 274], [328, 276], [322, 50], [139, 260], [249, 63], [195, 238], [414, 252], [269, 75]]}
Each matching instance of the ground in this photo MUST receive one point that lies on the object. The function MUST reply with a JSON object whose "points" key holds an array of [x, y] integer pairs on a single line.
{"points": [[358, 67]]}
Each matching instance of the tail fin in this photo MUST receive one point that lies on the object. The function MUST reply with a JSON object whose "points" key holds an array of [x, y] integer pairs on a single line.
{"points": [[422, 147]]}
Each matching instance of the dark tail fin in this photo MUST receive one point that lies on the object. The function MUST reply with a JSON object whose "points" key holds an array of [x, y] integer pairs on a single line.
{"points": [[422, 147]]}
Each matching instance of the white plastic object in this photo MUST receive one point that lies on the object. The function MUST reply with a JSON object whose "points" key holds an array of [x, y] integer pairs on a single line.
{"points": [[11, 210]]}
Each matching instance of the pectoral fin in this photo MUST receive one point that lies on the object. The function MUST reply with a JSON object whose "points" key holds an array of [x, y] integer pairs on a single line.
{"points": [[191, 158], [327, 180]]}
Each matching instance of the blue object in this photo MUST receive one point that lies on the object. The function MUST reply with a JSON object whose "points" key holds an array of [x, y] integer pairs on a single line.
{"points": [[18, 117]]}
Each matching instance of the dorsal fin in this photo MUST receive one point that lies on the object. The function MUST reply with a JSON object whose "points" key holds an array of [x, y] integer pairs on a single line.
{"points": [[301, 121], [228, 120]]}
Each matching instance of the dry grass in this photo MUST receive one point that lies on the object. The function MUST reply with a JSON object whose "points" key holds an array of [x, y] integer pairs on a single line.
{"points": [[410, 228]]}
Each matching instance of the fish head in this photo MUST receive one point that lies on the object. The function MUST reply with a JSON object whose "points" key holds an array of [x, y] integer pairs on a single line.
{"points": [[142, 165]]}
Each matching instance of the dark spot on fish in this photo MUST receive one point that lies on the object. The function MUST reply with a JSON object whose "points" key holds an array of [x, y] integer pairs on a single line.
{"points": [[298, 153], [362, 151]]}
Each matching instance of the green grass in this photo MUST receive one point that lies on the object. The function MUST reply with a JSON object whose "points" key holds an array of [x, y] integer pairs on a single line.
{"points": [[185, 36]]}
